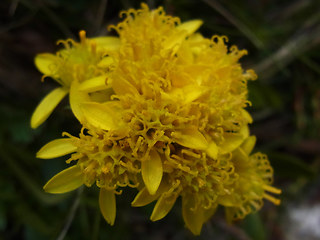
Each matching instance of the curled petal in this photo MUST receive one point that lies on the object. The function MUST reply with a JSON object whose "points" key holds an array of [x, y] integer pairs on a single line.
{"points": [[65, 181], [107, 203], [47, 105], [57, 148], [151, 170]]}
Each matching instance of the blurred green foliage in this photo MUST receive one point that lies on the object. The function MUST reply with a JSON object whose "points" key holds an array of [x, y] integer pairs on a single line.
{"points": [[282, 38]]}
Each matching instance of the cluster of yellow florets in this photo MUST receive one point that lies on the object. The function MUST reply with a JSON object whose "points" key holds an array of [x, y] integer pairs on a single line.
{"points": [[163, 111]]}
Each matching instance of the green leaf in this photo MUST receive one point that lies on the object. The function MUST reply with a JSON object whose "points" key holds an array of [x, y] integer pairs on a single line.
{"points": [[254, 227]]}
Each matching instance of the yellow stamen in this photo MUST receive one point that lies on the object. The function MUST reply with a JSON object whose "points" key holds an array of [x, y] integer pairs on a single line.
{"points": [[272, 199], [82, 35], [271, 189]]}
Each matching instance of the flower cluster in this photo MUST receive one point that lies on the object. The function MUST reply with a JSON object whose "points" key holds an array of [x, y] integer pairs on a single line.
{"points": [[163, 111]]}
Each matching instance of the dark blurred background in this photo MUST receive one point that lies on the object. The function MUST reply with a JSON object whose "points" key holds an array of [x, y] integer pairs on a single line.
{"points": [[282, 38]]}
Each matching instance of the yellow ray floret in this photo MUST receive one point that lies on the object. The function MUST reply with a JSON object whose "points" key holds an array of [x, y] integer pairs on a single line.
{"points": [[57, 148], [107, 203], [195, 216], [151, 171], [65, 181], [47, 105]]}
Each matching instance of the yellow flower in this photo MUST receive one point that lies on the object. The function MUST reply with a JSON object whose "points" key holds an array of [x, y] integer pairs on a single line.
{"points": [[172, 125], [101, 159], [76, 63], [252, 175]]}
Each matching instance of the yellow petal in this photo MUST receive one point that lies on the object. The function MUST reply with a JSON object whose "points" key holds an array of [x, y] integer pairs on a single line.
{"points": [[180, 79], [234, 140], [46, 63], [196, 37], [248, 145], [47, 105], [106, 62], [152, 171], [77, 98], [228, 200], [107, 203], [57, 148], [190, 26], [192, 220], [65, 181], [174, 40], [187, 28], [244, 131], [194, 216], [122, 86], [196, 48], [230, 214], [247, 116], [94, 84], [187, 94], [212, 150], [239, 158], [241, 163], [107, 43], [162, 207], [144, 197], [193, 92], [231, 143], [100, 115], [102, 96], [191, 138], [207, 213]]}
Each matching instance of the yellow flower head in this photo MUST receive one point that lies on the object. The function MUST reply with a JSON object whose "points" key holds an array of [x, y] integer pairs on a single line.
{"points": [[252, 176], [76, 63], [172, 124]]}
